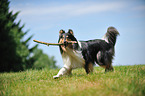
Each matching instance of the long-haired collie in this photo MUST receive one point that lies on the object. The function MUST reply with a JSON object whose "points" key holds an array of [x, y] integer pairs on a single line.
{"points": [[86, 53]]}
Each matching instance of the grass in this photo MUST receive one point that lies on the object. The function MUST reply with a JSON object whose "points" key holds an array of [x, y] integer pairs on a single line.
{"points": [[124, 81]]}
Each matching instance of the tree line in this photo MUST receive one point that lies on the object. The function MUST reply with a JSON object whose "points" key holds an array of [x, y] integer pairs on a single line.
{"points": [[15, 54]]}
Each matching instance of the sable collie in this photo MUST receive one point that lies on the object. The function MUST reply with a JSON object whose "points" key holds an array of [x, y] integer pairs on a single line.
{"points": [[86, 53]]}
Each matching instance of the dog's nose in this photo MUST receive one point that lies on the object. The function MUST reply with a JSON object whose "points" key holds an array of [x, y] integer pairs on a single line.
{"points": [[65, 43]]}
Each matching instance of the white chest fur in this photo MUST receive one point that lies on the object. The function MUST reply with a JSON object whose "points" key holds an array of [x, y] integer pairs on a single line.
{"points": [[73, 59]]}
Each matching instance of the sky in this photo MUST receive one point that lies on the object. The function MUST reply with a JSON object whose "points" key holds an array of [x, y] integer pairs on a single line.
{"points": [[89, 19]]}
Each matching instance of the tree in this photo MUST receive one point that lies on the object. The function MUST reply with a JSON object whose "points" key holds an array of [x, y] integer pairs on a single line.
{"points": [[11, 57], [43, 60], [15, 54]]}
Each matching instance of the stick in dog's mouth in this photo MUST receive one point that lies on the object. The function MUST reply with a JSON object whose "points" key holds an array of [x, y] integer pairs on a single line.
{"points": [[45, 43], [67, 45]]}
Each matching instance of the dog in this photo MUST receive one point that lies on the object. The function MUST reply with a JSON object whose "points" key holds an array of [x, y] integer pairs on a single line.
{"points": [[86, 53]]}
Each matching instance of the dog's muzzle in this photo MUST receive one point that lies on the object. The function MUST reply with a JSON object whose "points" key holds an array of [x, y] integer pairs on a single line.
{"points": [[65, 43]]}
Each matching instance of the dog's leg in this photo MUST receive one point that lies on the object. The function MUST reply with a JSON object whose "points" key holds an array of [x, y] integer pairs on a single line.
{"points": [[63, 71], [89, 67], [109, 68], [108, 65], [105, 61]]}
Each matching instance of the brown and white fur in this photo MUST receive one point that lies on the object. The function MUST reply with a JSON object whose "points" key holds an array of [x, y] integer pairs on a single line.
{"points": [[84, 54]]}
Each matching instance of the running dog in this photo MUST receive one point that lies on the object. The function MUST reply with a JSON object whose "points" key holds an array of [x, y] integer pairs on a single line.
{"points": [[86, 53]]}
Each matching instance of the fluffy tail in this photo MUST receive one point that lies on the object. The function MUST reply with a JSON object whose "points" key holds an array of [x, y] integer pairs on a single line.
{"points": [[111, 36]]}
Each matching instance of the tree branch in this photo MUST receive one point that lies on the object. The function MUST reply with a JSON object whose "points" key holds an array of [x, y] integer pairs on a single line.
{"points": [[68, 42]]}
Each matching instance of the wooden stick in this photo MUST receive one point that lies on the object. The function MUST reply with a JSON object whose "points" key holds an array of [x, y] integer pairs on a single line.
{"points": [[69, 42]]}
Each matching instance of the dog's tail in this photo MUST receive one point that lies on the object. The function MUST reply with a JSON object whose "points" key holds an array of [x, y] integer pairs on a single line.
{"points": [[111, 36]]}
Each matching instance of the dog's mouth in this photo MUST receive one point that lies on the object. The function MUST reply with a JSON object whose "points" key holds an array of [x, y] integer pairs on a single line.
{"points": [[66, 45], [63, 48]]}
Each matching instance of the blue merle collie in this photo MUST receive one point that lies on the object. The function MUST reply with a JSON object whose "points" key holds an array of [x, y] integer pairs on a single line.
{"points": [[86, 53]]}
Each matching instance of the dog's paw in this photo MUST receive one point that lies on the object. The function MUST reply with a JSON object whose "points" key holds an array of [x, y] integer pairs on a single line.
{"points": [[55, 77]]}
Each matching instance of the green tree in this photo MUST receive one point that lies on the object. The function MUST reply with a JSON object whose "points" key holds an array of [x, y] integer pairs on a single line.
{"points": [[43, 60], [15, 54]]}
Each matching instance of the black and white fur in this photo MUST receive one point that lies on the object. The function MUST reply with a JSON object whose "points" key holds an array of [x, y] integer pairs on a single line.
{"points": [[86, 53]]}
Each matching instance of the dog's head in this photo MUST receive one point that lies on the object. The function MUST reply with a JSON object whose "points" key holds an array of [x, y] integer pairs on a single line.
{"points": [[64, 38]]}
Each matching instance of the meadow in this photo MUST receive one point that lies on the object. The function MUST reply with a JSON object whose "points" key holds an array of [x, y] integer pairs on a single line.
{"points": [[124, 81]]}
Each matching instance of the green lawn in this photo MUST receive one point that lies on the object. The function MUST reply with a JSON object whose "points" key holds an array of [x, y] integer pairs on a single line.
{"points": [[124, 81]]}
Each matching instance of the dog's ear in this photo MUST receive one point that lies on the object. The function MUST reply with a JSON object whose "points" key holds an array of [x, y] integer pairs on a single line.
{"points": [[61, 32], [71, 31]]}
